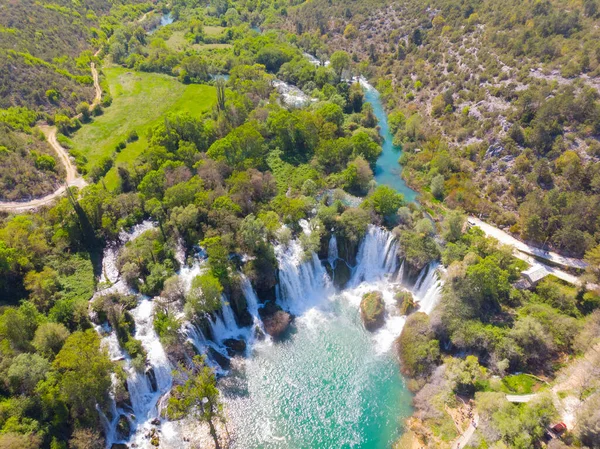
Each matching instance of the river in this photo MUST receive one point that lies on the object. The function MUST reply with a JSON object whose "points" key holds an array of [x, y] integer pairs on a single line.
{"points": [[387, 169], [330, 384]]}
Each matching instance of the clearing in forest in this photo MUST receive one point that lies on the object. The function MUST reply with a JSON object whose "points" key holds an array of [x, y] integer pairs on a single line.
{"points": [[140, 100]]}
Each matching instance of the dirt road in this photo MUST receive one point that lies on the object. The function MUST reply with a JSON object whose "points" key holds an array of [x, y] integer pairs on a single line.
{"points": [[73, 178], [507, 239]]}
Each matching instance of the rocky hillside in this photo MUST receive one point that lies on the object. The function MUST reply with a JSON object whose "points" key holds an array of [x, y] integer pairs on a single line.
{"points": [[45, 53], [498, 102]]}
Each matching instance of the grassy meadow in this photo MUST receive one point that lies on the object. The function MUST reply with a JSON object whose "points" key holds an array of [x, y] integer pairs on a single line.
{"points": [[140, 100], [178, 42]]}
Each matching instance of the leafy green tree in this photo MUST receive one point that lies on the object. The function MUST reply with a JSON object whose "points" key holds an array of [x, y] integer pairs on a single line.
{"points": [[18, 326], [83, 108], [339, 62], [81, 374], [453, 225], [194, 69], [242, 148], [331, 113], [465, 375], [488, 284], [353, 224], [205, 295], [357, 176], [49, 339], [365, 147], [333, 154], [417, 347], [396, 121], [437, 186], [273, 57], [26, 371], [43, 287], [417, 249], [195, 394], [536, 343], [252, 233], [385, 200], [45, 162]]}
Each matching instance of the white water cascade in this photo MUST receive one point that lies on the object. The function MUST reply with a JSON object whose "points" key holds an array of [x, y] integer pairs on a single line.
{"points": [[332, 251], [304, 290], [428, 288], [252, 303], [377, 263], [377, 256], [302, 283], [224, 326]]}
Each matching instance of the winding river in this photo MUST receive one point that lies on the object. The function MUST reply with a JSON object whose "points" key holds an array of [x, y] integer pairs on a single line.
{"points": [[330, 384]]}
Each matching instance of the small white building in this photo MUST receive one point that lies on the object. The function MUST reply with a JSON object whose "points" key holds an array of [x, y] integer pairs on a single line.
{"points": [[535, 274]]}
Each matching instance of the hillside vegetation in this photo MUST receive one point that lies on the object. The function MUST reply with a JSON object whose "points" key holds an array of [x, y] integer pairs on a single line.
{"points": [[45, 52], [230, 165], [495, 104]]}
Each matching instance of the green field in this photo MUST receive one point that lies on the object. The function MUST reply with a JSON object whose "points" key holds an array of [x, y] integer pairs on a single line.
{"points": [[213, 30], [140, 100], [178, 42]]}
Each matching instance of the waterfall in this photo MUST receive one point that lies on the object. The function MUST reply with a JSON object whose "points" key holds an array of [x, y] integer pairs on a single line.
{"points": [[332, 253], [377, 256], [110, 278], [428, 288], [291, 95], [302, 284], [224, 326], [146, 389], [400, 276]]}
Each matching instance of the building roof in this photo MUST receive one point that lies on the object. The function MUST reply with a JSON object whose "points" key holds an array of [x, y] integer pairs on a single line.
{"points": [[535, 273]]}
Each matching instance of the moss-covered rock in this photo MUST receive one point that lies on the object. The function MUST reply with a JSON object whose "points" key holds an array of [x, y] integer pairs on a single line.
{"points": [[123, 427], [372, 310], [406, 303]]}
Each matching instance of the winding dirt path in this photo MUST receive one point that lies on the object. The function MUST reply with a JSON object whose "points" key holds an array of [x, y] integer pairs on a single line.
{"points": [[72, 179]]}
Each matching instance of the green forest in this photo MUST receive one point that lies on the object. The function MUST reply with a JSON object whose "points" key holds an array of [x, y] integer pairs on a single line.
{"points": [[234, 146]]}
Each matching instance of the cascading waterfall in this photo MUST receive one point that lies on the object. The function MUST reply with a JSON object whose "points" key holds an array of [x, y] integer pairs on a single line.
{"points": [[302, 283], [110, 278], [252, 303], [428, 288], [332, 251], [304, 287], [223, 325], [146, 389], [377, 256]]}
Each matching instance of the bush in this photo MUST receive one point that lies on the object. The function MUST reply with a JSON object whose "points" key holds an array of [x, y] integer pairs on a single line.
{"points": [[417, 348], [45, 162], [132, 136]]}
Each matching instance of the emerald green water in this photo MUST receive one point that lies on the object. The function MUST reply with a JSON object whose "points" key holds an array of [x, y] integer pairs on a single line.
{"points": [[324, 387], [387, 169], [329, 385]]}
